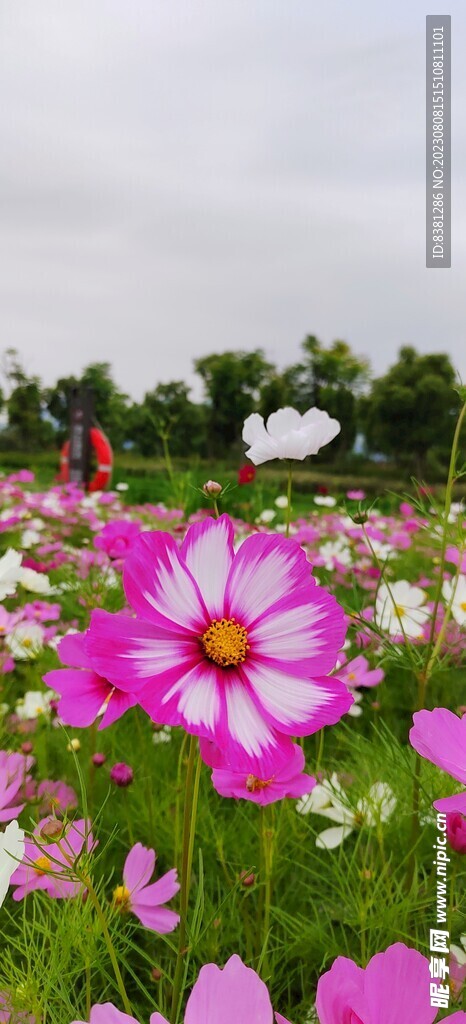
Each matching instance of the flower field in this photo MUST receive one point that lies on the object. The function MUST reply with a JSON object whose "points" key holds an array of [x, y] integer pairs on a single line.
{"points": [[216, 804]]}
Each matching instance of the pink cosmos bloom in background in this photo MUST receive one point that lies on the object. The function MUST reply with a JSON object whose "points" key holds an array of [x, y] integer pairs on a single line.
{"points": [[456, 832], [234, 647], [40, 859], [356, 495], [12, 779], [232, 995], [289, 781], [143, 900], [56, 796], [117, 537], [440, 737], [83, 692], [392, 989], [358, 673]]}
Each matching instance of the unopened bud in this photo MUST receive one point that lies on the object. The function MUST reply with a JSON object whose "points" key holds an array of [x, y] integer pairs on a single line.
{"points": [[27, 747], [156, 974], [121, 774], [52, 830], [74, 745], [360, 518], [247, 879], [98, 760], [212, 489]]}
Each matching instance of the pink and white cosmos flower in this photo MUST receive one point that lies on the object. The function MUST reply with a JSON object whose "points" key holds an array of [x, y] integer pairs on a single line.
{"points": [[233, 647], [289, 781]]}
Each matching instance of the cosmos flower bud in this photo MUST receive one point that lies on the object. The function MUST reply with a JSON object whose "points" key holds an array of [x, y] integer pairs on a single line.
{"points": [[156, 974], [74, 745], [212, 489], [121, 774], [98, 760], [53, 830], [456, 831], [27, 747], [247, 879]]}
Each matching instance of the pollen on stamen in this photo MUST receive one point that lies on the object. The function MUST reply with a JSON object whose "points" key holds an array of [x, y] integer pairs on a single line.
{"points": [[225, 642]]}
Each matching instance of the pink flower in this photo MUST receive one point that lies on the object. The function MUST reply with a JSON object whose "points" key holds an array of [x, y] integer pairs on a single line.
{"points": [[440, 737], [234, 648], [40, 859], [289, 781], [358, 673], [83, 692], [122, 774], [356, 495], [13, 778], [56, 796], [234, 995], [143, 900], [394, 983], [117, 537], [6, 1011], [107, 1013]]}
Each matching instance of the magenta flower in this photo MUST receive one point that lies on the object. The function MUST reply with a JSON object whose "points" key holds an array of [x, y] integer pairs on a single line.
{"points": [[143, 900], [235, 648], [117, 537], [40, 859], [122, 774], [440, 737], [107, 1013], [456, 832], [393, 984], [13, 780], [83, 692], [289, 781]]}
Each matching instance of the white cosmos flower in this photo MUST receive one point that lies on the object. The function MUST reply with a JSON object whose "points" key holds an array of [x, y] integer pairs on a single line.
{"points": [[335, 550], [399, 609], [454, 592], [325, 501], [26, 641], [266, 516], [10, 572], [11, 852], [288, 435], [29, 538], [34, 703], [281, 501], [122, 486], [35, 582], [330, 801]]}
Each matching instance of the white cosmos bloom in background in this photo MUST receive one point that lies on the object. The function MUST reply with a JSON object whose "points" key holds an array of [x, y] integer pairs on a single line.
{"points": [[454, 592], [34, 703], [26, 641], [11, 851], [35, 582], [325, 500], [10, 572], [287, 434], [399, 609], [330, 801]]}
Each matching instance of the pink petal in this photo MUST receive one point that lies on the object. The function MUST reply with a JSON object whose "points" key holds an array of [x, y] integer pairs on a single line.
{"points": [[341, 991], [450, 804], [107, 1013], [157, 919], [82, 694], [130, 652], [159, 586], [440, 737], [394, 980], [72, 651], [207, 550], [232, 996], [194, 700], [304, 630], [296, 707], [265, 569], [117, 706], [139, 867], [246, 737], [159, 892]]}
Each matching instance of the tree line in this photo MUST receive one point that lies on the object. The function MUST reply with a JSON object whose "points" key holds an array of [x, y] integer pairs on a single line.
{"points": [[406, 415]]}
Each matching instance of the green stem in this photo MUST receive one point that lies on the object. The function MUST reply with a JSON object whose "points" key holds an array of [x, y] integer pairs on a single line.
{"points": [[288, 494], [189, 829], [267, 839], [108, 941]]}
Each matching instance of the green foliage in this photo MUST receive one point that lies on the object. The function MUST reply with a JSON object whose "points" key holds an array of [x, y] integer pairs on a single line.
{"points": [[232, 382]]}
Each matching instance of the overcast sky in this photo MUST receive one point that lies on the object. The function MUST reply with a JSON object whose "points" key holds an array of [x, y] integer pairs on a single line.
{"points": [[180, 177]]}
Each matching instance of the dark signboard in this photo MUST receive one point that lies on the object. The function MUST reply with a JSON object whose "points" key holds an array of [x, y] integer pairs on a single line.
{"points": [[81, 413]]}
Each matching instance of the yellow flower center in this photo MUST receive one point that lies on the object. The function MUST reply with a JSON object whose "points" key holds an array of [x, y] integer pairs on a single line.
{"points": [[351, 675], [254, 785], [225, 642], [121, 897], [42, 865], [463, 606], [400, 610]]}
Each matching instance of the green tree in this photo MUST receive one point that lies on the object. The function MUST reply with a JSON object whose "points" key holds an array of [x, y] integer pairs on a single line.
{"points": [[110, 404], [233, 383], [28, 429], [168, 410], [410, 412]]}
